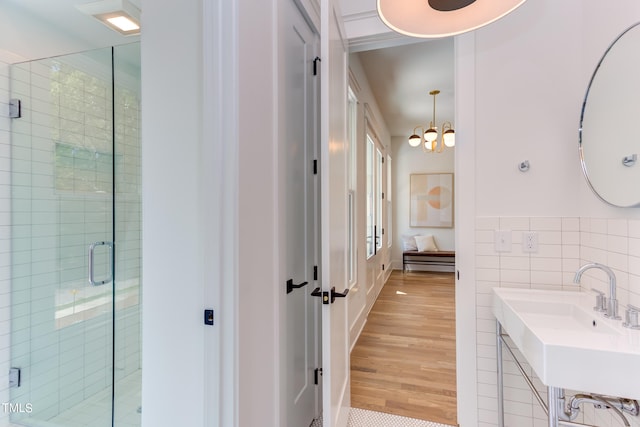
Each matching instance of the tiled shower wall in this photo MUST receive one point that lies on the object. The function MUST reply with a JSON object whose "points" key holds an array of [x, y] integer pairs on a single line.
{"points": [[61, 191], [564, 245]]}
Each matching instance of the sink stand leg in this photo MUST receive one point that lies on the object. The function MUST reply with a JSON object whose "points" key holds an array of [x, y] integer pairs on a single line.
{"points": [[553, 396], [500, 376]]}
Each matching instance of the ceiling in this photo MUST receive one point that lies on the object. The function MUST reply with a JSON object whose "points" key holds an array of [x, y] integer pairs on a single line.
{"points": [[62, 15], [400, 77]]}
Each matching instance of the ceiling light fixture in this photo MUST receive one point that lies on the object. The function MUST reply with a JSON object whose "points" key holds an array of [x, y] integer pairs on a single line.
{"points": [[428, 139], [442, 18], [119, 15]]}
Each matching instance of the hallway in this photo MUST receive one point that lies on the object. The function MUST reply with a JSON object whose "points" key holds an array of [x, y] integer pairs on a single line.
{"points": [[404, 362]]}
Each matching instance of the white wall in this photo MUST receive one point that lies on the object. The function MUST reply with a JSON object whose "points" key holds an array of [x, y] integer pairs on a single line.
{"points": [[365, 290], [258, 290], [173, 330], [532, 68], [528, 99]]}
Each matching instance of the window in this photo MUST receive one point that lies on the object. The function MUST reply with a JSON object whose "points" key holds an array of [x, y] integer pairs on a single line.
{"points": [[374, 171], [378, 199], [389, 228], [370, 198], [352, 123]]}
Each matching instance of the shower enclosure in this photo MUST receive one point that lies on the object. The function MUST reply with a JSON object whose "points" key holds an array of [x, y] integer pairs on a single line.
{"points": [[76, 240]]}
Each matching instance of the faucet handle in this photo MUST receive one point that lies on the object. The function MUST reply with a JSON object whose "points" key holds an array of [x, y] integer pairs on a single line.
{"points": [[631, 317], [601, 301]]}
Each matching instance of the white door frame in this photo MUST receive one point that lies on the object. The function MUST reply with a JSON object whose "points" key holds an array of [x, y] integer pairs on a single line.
{"points": [[221, 59]]}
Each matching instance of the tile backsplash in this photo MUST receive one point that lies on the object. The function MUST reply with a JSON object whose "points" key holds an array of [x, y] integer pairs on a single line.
{"points": [[564, 244]]}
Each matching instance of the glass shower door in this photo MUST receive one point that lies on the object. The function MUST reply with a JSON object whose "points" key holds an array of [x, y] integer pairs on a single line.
{"points": [[68, 307]]}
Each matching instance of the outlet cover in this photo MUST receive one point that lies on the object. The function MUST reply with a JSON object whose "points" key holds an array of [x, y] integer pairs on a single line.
{"points": [[529, 241]]}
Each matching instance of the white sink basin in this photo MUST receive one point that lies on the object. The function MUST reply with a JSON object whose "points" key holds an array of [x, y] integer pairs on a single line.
{"points": [[568, 344]]}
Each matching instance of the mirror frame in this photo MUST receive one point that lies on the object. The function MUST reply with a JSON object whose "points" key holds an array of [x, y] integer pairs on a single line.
{"points": [[582, 112]]}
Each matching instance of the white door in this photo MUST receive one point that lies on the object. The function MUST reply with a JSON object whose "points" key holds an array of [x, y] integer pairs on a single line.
{"points": [[333, 213], [298, 49]]}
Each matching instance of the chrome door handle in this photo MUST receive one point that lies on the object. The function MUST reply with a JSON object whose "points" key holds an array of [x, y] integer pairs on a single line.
{"points": [[92, 248]]}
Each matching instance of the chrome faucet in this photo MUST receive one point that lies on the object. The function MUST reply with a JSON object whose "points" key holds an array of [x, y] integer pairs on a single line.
{"points": [[612, 302]]}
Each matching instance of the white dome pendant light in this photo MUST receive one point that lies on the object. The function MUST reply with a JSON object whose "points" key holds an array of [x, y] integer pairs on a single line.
{"points": [[442, 18]]}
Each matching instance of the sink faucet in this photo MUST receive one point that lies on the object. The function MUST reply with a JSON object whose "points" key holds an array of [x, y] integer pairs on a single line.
{"points": [[612, 306]]}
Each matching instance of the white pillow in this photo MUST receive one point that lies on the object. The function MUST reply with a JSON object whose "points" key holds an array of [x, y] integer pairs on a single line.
{"points": [[409, 243], [426, 243]]}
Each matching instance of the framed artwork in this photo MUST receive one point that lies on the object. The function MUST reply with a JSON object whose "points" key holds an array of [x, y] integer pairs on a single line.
{"points": [[431, 203]]}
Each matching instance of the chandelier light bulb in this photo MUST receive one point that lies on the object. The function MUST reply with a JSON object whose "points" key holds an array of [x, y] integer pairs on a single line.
{"points": [[449, 138], [431, 134], [414, 140]]}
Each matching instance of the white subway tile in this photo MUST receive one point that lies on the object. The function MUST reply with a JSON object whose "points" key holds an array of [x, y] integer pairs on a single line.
{"points": [[546, 264], [598, 225], [618, 227], [515, 276], [488, 274], [484, 236], [570, 224], [550, 237], [618, 244], [634, 228], [546, 224], [488, 223], [546, 278], [508, 262], [514, 223]]}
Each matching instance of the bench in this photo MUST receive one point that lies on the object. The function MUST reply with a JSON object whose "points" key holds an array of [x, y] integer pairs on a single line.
{"points": [[438, 260]]}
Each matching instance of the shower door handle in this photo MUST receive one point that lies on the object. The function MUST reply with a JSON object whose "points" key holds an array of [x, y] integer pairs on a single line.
{"points": [[92, 248]]}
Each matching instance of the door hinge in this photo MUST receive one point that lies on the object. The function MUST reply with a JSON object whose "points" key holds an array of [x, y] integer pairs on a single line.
{"points": [[15, 108], [382, 159], [382, 196], [382, 267], [315, 272], [383, 231], [315, 65], [316, 376], [315, 167], [14, 377]]}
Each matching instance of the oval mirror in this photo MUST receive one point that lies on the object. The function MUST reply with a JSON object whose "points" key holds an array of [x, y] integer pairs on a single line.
{"points": [[609, 142]]}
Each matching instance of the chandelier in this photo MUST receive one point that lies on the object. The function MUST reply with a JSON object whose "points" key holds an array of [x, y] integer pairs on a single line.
{"points": [[428, 139]]}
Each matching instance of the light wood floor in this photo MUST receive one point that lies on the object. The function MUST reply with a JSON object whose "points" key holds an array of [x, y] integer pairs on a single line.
{"points": [[404, 362]]}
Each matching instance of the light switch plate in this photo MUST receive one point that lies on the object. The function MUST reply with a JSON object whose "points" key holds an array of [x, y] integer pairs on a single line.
{"points": [[502, 240]]}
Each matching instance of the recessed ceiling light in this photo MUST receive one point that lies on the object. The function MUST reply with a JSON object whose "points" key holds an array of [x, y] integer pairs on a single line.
{"points": [[119, 15]]}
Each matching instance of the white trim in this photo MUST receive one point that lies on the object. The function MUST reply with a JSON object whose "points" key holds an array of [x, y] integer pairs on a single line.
{"points": [[465, 230], [219, 165]]}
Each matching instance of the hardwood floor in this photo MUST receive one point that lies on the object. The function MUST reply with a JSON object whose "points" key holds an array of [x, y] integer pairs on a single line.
{"points": [[404, 362]]}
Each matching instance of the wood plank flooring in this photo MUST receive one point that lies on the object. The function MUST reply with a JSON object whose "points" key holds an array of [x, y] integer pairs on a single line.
{"points": [[404, 362]]}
